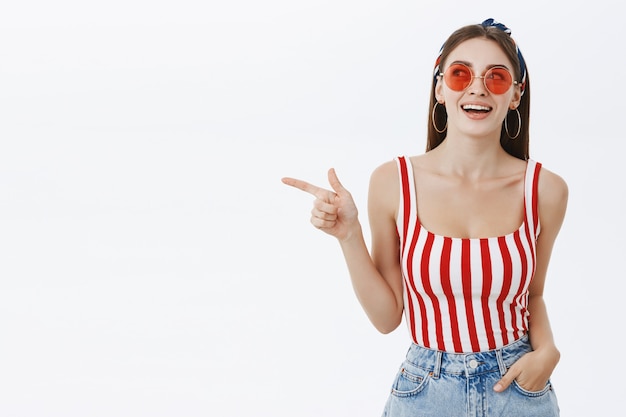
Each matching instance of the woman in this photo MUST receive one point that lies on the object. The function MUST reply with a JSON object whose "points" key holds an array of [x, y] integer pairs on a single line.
{"points": [[461, 240]]}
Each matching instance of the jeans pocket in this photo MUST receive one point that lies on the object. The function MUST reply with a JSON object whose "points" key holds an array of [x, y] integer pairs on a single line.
{"points": [[409, 381], [532, 394]]}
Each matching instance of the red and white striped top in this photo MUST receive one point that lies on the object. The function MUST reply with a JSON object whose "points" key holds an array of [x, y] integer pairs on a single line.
{"points": [[466, 294]]}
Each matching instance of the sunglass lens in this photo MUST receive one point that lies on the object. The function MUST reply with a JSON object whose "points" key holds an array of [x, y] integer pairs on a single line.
{"points": [[458, 77], [498, 80]]}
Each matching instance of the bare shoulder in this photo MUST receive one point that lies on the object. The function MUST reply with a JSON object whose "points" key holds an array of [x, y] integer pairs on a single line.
{"points": [[553, 195], [384, 191], [552, 188], [385, 174]]}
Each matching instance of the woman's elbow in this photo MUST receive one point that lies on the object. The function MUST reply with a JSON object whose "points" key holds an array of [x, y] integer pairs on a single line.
{"points": [[388, 326]]}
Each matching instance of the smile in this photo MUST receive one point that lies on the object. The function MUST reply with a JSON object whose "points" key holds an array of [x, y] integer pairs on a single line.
{"points": [[476, 108]]}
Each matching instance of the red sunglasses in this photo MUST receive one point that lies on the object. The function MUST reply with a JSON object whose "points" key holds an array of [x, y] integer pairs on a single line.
{"points": [[497, 80]]}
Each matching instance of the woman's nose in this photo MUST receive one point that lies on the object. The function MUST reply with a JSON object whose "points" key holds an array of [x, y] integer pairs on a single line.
{"points": [[477, 86]]}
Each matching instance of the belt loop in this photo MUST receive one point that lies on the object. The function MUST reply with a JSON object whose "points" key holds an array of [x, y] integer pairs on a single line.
{"points": [[438, 360], [501, 363]]}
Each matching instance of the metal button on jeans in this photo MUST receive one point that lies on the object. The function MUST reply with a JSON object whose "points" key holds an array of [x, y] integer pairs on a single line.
{"points": [[473, 364]]}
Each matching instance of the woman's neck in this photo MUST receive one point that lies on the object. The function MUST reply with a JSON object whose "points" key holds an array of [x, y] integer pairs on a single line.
{"points": [[471, 157]]}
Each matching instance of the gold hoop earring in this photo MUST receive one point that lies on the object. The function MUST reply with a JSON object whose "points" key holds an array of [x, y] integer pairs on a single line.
{"points": [[433, 120], [519, 125]]}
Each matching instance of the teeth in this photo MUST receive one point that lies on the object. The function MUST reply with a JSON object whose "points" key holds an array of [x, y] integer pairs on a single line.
{"points": [[476, 107]]}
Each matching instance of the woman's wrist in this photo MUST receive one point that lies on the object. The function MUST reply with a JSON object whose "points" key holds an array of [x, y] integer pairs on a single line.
{"points": [[353, 234], [550, 354]]}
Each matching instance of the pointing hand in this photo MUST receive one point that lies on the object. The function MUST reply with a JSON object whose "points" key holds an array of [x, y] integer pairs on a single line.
{"points": [[334, 212]]}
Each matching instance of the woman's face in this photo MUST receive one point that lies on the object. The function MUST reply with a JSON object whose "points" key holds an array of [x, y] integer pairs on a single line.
{"points": [[477, 111]]}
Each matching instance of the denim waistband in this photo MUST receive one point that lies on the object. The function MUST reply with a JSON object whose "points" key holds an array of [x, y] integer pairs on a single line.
{"points": [[473, 363]]}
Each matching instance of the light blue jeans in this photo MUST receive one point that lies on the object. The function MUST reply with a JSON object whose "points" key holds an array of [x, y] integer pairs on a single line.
{"points": [[431, 383]]}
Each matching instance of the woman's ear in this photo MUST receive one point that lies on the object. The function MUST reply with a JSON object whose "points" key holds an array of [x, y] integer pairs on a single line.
{"points": [[516, 99], [439, 91]]}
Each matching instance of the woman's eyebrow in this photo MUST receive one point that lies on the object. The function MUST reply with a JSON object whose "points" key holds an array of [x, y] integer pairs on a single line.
{"points": [[469, 64], [466, 63]]}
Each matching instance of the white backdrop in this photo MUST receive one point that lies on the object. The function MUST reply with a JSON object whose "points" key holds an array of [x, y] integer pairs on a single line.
{"points": [[151, 261]]}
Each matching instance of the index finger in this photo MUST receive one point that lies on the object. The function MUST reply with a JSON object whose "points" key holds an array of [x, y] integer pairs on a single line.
{"points": [[307, 187]]}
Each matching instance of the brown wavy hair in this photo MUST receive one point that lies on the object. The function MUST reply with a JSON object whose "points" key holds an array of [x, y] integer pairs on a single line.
{"points": [[517, 147]]}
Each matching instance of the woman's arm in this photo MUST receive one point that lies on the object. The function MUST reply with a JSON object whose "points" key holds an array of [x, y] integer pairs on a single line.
{"points": [[378, 283], [533, 370], [376, 278]]}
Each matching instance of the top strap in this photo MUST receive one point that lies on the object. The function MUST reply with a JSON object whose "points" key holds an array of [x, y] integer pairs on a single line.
{"points": [[531, 194], [408, 204]]}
